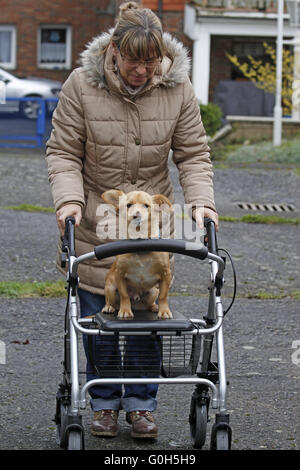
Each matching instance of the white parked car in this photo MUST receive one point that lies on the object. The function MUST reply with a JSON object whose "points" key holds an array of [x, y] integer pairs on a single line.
{"points": [[15, 87]]}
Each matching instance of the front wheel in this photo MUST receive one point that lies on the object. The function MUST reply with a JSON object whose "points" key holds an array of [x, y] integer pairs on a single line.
{"points": [[69, 429], [30, 108], [222, 440], [75, 440], [221, 437]]}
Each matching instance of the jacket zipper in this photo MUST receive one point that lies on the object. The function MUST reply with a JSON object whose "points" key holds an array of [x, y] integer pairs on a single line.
{"points": [[138, 141]]}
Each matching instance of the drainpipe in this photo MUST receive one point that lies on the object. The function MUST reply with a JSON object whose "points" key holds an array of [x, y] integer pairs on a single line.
{"points": [[160, 9]]}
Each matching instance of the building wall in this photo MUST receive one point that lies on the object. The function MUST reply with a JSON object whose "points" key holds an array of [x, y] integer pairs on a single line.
{"points": [[87, 18], [220, 66], [172, 16]]}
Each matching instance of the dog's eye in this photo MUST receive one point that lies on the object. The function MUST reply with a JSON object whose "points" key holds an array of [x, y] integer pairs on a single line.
{"points": [[129, 205], [146, 205]]}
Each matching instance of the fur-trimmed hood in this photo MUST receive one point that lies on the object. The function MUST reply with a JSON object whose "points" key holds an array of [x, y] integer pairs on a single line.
{"points": [[173, 71]]}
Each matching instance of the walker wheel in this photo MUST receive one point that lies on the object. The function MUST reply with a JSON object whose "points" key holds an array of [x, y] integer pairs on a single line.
{"points": [[198, 423], [61, 424], [222, 440], [70, 434], [221, 436], [75, 440]]}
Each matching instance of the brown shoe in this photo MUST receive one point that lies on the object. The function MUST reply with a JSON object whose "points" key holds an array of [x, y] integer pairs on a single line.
{"points": [[143, 425], [105, 423]]}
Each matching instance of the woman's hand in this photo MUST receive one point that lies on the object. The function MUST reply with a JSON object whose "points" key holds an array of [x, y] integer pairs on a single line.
{"points": [[201, 212], [66, 211]]}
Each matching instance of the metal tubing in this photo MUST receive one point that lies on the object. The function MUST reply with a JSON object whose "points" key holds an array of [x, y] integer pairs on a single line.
{"points": [[74, 358], [277, 126], [79, 260], [90, 255], [196, 331], [159, 380], [221, 362]]}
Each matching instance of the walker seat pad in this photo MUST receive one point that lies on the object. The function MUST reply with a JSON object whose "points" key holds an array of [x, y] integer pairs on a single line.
{"points": [[143, 321]]}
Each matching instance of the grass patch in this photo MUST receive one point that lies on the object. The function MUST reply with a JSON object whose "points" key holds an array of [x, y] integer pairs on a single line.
{"points": [[265, 152], [30, 208], [263, 295], [221, 151], [262, 219], [16, 290], [55, 289], [186, 294]]}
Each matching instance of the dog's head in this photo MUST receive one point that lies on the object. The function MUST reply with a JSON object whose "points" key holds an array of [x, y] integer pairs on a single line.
{"points": [[137, 210]]}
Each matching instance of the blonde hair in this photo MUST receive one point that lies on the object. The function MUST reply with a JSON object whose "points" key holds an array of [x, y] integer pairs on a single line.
{"points": [[138, 32]]}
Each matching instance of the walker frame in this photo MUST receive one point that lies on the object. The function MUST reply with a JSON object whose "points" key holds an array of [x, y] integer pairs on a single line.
{"points": [[209, 379]]}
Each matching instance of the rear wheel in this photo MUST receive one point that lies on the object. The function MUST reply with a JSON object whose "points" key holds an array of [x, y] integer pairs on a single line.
{"points": [[198, 423], [61, 424]]}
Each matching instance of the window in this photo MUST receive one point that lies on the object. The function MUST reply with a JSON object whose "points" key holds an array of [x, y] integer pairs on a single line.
{"points": [[8, 47], [54, 51]]}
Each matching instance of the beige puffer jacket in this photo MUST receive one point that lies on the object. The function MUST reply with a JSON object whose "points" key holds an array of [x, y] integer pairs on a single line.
{"points": [[104, 139]]}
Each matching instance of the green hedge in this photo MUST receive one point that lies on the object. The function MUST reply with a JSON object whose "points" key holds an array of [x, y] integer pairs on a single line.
{"points": [[211, 117]]}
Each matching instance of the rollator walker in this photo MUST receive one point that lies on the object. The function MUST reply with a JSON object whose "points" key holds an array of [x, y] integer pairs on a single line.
{"points": [[185, 344]]}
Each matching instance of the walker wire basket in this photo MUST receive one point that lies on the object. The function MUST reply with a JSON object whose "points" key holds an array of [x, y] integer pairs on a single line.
{"points": [[168, 349]]}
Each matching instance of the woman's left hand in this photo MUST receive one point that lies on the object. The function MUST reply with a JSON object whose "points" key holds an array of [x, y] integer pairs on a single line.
{"points": [[200, 213]]}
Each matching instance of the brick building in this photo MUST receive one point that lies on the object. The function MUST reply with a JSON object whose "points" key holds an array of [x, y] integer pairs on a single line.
{"points": [[237, 27], [45, 37]]}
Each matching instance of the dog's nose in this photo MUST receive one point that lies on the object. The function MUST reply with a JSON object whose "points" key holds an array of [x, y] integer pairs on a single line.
{"points": [[137, 215]]}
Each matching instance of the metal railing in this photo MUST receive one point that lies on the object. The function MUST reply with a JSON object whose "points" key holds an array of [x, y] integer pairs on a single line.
{"points": [[37, 139]]}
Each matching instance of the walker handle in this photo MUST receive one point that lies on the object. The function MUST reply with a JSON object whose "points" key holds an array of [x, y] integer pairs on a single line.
{"points": [[68, 240], [191, 249], [209, 224]]}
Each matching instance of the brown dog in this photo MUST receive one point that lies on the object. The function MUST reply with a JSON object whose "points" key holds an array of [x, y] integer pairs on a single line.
{"points": [[136, 275]]}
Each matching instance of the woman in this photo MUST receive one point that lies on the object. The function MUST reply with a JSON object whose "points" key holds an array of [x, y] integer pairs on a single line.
{"points": [[118, 117]]}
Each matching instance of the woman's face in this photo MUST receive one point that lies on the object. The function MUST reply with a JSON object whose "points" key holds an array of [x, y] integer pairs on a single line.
{"points": [[135, 72]]}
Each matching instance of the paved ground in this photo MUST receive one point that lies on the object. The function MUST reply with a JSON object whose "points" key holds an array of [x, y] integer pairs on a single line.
{"points": [[263, 395]]}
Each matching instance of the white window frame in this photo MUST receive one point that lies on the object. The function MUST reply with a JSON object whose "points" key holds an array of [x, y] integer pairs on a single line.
{"points": [[55, 65], [12, 63]]}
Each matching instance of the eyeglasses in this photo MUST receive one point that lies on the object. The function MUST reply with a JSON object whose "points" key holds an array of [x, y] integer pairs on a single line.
{"points": [[148, 64]]}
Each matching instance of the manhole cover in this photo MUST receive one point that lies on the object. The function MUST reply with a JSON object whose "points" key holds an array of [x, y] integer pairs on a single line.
{"points": [[266, 207]]}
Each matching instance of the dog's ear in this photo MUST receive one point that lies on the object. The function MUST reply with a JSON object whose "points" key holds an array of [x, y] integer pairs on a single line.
{"points": [[161, 199], [112, 197]]}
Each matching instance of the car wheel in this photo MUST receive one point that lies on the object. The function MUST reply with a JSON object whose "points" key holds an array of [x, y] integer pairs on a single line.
{"points": [[30, 108]]}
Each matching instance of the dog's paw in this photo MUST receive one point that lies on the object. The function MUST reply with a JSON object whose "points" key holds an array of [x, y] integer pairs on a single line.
{"points": [[153, 308], [164, 313], [108, 309], [125, 314]]}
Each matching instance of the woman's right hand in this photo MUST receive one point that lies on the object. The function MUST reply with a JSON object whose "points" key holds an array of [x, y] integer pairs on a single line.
{"points": [[66, 211]]}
